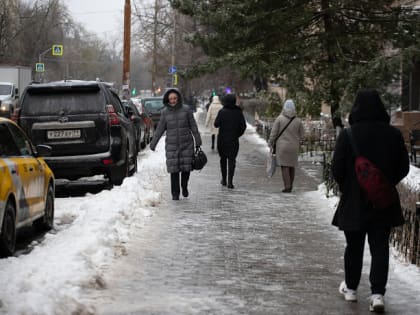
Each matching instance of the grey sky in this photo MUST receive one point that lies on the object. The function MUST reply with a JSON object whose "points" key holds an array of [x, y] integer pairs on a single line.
{"points": [[103, 17]]}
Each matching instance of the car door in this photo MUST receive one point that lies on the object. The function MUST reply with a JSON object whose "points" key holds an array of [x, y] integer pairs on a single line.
{"points": [[31, 173]]}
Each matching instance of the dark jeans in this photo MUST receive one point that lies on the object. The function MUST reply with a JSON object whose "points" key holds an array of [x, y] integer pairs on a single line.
{"points": [[185, 176], [378, 239]]}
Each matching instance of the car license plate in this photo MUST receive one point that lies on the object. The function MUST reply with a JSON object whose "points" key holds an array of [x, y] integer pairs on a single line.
{"points": [[63, 134]]}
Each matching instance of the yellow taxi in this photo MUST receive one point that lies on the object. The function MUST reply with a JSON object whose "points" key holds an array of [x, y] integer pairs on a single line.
{"points": [[26, 185]]}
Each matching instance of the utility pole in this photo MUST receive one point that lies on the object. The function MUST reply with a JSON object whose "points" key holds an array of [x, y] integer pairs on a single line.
{"points": [[173, 73], [126, 53], [155, 30]]}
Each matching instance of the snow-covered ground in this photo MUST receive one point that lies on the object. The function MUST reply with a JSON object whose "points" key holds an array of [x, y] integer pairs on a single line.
{"points": [[92, 230]]}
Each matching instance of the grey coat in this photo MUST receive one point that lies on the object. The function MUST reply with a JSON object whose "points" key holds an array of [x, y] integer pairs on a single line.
{"points": [[181, 135], [287, 146]]}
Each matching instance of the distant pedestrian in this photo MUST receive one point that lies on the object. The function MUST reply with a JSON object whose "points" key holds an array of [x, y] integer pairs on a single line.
{"points": [[231, 123], [209, 102], [214, 108], [384, 145], [288, 144], [181, 133]]}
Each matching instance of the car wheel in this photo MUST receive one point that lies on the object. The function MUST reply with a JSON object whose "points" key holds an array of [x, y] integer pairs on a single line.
{"points": [[134, 168], [143, 142], [46, 223], [8, 231], [117, 174]]}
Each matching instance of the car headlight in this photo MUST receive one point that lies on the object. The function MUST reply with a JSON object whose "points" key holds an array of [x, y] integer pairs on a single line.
{"points": [[4, 107]]}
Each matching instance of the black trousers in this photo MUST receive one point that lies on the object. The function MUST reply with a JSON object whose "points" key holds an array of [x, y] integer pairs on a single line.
{"points": [[175, 189], [227, 167], [378, 239], [213, 140]]}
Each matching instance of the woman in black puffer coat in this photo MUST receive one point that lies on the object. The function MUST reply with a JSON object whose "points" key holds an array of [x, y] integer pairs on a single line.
{"points": [[231, 123], [384, 145], [181, 134]]}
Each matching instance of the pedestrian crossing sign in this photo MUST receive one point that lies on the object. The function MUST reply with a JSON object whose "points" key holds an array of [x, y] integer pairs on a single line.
{"points": [[39, 67], [57, 50]]}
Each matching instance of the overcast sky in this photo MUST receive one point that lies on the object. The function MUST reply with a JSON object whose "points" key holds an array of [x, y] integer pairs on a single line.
{"points": [[103, 17]]}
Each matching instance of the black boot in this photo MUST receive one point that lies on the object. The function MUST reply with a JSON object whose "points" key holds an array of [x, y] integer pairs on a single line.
{"points": [[185, 192], [184, 183], [213, 137], [175, 185], [230, 174], [223, 168]]}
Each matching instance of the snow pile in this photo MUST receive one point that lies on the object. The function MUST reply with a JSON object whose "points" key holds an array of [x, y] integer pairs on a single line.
{"points": [[89, 232], [412, 180]]}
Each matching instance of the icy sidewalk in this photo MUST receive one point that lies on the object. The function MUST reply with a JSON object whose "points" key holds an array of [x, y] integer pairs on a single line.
{"points": [[250, 250]]}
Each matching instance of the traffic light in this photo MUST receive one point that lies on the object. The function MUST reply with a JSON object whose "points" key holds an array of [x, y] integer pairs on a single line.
{"points": [[133, 91], [213, 93], [175, 77]]}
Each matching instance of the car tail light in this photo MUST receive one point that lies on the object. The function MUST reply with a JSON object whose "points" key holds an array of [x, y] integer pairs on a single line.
{"points": [[107, 161], [15, 115], [112, 115]]}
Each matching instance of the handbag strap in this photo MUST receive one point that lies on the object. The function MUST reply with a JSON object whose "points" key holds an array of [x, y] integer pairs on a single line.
{"points": [[277, 138]]}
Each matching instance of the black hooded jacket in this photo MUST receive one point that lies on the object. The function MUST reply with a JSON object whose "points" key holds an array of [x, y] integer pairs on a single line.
{"points": [[231, 123], [381, 143]]}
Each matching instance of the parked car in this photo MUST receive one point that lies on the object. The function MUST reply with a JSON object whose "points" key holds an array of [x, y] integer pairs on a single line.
{"points": [[142, 122], [85, 124], [146, 118], [26, 185], [154, 106]]}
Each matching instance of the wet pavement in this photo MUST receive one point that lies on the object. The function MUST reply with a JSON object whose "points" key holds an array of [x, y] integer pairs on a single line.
{"points": [[248, 250]]}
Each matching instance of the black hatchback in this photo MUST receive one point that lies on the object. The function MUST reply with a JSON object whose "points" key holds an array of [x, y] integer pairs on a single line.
{"points": [[86, 126]]}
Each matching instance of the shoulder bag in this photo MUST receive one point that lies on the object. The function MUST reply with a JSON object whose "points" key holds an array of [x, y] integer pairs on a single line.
{"points": [[377, 188]]}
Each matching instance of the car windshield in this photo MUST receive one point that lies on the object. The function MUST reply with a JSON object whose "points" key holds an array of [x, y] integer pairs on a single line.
{"points": [[153, 104], [5, 89], [55, 102]]}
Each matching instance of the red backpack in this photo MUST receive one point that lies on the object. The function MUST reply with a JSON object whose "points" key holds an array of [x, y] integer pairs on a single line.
{"points": [[378, 189]]}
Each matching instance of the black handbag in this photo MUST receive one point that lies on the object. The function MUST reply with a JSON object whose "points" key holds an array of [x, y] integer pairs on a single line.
{"points": [[199, 159]]}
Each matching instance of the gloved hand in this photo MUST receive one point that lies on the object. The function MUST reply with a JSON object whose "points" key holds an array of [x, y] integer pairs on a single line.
{"points": [[197, 147]]}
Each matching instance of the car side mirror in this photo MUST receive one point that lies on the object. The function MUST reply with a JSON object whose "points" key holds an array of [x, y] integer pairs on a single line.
{"points": [[129, 111], [43, 150]]}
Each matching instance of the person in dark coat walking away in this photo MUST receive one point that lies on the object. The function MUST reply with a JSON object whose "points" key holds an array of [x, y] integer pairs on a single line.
{"points": [[231, 123], [181, 134], [384, 145]]}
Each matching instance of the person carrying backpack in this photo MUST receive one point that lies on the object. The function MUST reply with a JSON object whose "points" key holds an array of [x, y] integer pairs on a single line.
{"points": [[356, 215]]}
